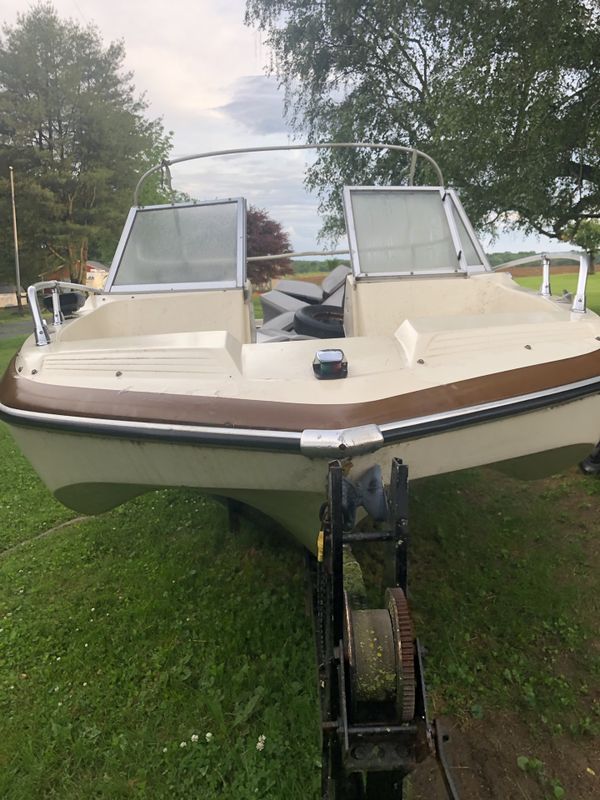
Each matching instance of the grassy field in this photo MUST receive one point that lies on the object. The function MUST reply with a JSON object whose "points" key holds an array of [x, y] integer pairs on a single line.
{"points": [[145, 651], [568, 282]]}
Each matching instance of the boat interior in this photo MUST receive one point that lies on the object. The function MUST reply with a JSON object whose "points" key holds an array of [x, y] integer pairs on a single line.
{"points": [[417, 269]]}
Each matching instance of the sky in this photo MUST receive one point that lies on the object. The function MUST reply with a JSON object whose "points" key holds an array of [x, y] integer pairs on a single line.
{"points": [[203, 71]]}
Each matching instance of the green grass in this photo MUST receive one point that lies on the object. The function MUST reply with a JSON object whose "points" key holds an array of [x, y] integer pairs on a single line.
{"points": [[506, 590], [12, 315], [125, 636], [8, 347], [567, 281]]}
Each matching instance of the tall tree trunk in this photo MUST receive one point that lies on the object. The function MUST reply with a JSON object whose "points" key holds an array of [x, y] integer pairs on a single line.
{"points": [[83, 257], [77, 259]]}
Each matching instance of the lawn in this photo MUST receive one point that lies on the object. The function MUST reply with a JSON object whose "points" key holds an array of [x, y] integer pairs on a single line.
{"points": [[569, 282], [145, 651], [12, 315]]}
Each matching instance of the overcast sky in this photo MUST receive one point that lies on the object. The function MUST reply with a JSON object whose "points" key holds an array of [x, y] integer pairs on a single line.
{"points": [[203, 72]]}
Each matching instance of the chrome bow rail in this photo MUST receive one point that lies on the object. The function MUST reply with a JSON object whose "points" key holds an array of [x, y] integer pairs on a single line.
{"points": [[40, 329], [585, 266]]}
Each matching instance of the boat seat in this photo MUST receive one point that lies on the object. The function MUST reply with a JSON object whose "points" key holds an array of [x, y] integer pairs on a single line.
{"points": [[275, 303], [282, 322], [272, 335], [303, 290], [337, 298], [311, 293], [281, 304], [334, 281]]}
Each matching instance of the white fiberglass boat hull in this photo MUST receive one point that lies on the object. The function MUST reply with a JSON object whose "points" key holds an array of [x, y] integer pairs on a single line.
{"points": [[91, 473]]}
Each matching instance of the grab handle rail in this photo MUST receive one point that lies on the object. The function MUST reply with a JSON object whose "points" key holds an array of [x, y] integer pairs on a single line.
{"points": [[398, 148], [585, 267], [40, 328]]}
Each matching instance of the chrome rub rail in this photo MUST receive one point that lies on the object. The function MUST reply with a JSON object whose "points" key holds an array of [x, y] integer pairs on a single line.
{"points": [[313, 443]]}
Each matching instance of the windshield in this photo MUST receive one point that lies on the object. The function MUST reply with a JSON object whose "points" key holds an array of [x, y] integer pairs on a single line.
{"points": [[407, 231], [175, 246]]}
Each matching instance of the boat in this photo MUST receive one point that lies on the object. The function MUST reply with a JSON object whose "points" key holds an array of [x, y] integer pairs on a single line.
{"points": [[416, 356], [158, 380]]}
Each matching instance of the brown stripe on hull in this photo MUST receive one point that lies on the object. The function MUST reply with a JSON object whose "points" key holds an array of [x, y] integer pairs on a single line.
{"points": [[22, 393]]}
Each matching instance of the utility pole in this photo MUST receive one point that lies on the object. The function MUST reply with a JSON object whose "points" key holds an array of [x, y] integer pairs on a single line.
{"points": [[17, 266]]}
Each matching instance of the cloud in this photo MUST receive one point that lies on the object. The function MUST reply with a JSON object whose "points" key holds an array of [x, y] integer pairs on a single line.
{"points": [[257, 103], [273, 181]]}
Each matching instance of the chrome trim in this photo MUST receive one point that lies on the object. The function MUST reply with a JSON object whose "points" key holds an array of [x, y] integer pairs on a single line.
{"points": [[321, 146], [250, 259], [124, 238], [568, 255], [585, 262], [57, 315], [351, 231], [40, 329], [99, 425], [545, 288], [157, 288], [392, 427], [311, 442], [345, 442], [458, 206], [453, 228]]}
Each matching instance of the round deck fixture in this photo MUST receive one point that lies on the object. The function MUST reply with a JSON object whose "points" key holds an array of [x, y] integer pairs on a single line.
{"points": [[330, 364]]}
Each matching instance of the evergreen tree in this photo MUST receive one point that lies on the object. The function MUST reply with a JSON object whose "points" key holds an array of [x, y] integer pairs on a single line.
{"points": [[77, 136]]}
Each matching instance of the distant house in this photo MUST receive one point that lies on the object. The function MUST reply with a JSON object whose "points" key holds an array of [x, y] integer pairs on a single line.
{"points": [[95, 275], [8, 298]]}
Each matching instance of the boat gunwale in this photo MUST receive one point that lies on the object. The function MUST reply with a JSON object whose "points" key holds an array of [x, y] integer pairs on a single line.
{"points": [[291, 441]]}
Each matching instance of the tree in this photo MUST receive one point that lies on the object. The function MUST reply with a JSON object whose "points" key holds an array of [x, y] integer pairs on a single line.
{"points": [[77, 136], [587, 236], [505, 95], [264, 237]]}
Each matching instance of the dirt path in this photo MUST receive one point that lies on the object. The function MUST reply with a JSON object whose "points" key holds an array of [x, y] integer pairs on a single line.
{"points": [[483, 760]]}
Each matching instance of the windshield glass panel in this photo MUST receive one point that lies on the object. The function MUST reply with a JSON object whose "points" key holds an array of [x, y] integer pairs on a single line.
{"points": [[401, 232], [181, 244]]}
